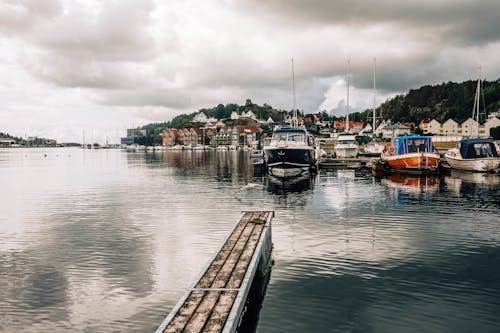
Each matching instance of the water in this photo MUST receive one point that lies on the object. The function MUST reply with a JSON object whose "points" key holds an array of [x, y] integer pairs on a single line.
{"points": [[105, 240]]}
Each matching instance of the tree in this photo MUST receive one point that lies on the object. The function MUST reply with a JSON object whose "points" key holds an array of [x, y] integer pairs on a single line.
{"points": [[495, 133]]}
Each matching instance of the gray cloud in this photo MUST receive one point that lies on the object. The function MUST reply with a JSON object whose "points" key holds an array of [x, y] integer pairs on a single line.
{"points": [[469, 22]]}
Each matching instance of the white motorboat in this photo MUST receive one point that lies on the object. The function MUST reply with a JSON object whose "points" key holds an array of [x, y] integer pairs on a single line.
{"points": [[346, 146]]}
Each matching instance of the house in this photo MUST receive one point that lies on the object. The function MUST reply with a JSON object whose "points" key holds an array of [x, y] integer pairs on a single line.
{"points": [[200, 118], [394, 130], [235, 115], [449, 127], [249, 114], [223, 137], [169, 137], [432, 127], [354, 126], [492, 122], [5, 142], [468, 128]]}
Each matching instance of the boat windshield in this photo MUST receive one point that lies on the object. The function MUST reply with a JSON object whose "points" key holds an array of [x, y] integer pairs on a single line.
{"points": [[483, 150], [417, 145], [289, 137]]}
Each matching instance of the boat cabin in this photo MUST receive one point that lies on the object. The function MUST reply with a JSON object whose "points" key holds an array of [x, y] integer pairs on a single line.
{"points": [[292, 136], [477, 148], [413, 144]]}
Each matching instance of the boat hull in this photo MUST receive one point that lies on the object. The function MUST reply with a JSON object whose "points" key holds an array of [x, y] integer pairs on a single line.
{"points": [[289, 162], [413, 162], [346, 152], [474, 164]]}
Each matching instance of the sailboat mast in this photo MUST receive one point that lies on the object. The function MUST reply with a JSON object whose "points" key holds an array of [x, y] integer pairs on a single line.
{"points": [[475, 110], [374, 95], [294, 115], [347, 103]]}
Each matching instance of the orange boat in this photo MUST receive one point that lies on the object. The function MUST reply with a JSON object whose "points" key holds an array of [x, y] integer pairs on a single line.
{"points": [[412, 154]]}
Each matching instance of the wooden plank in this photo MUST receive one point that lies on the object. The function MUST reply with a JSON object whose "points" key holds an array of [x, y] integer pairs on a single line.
{"points": [[203, 312], [241, 267], [221, 257], [220, 312], [182, 317], [226, 270]]}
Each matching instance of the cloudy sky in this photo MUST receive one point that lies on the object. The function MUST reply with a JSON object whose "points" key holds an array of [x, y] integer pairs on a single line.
{"points": [[70, 66]]}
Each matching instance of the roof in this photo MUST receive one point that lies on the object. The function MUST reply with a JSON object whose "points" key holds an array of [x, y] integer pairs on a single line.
{"points": [[468, 149]]}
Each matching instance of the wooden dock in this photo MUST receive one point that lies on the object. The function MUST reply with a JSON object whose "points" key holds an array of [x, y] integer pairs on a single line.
{"points": [[216, 300], [347, 163]]}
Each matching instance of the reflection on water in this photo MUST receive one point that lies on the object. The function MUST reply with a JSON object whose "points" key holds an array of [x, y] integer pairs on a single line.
{"points": [[404, 186], [109, 240], [289, 185]]}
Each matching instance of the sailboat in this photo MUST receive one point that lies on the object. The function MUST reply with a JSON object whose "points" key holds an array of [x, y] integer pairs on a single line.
{"points": [[292, 149], [346, 146], [475, 154], [373, 148]]}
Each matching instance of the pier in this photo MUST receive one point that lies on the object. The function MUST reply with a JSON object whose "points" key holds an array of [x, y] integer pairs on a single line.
{"points": [[217, 299], [347, 163]]}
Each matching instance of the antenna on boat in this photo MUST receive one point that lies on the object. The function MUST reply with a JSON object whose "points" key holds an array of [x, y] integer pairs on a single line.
{"points": [[295, 120], [347, 103]]}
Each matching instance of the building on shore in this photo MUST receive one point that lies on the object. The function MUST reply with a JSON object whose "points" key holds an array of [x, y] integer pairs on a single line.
{"points": [[468, 128]]}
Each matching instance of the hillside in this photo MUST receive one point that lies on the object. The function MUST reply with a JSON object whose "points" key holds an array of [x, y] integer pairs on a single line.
{"points": [[441, 102]]}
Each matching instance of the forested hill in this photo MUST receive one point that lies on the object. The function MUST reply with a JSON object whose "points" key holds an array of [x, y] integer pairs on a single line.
{"points": [[441, 102]]}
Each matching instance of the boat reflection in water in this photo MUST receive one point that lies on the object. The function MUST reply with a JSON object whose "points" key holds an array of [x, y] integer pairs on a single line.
{"points": [[411, 186], [278, 185], [459, 182]]}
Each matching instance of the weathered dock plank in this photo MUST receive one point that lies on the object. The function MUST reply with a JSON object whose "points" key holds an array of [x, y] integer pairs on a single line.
{"points": [[220, 293]]}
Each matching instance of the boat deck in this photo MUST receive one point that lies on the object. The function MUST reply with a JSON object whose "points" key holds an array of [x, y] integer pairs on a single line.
{"points": [[216, 301]]}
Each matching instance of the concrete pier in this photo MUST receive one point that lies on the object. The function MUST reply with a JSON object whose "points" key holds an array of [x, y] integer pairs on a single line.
{"points": [[216, 301]]}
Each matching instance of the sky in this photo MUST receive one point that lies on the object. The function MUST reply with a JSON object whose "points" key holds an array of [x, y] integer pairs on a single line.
{"points": [[71, 68]]}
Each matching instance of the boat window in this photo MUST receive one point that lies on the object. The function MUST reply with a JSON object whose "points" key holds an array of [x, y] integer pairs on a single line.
{"points": [[417, 145], [280, 136], [483, 150], [296, 137]]}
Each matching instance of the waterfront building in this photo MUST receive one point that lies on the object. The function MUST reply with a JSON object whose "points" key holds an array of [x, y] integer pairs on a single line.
{"points": [[449, 127], [431, 127]]}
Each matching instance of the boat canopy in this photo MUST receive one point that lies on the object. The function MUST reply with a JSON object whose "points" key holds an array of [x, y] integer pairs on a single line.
{"points": [[413, 144], [477, 148]]}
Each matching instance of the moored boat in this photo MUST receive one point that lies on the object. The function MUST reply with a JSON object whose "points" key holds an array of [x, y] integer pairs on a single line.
{"points": [[346, 146], [292, 150], [411, 154], [474, 155]]}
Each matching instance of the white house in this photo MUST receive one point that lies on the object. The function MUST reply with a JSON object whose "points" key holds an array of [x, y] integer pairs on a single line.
{"points": [[468, 128], [249, 114], [235, 115], [433, 127], [449, 127], [394, 130], [200, 118]]}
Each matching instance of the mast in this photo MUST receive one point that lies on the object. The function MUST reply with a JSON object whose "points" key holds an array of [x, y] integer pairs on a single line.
{"points": [[294, 115], [477, 97], [347, 103], [374, 95]]}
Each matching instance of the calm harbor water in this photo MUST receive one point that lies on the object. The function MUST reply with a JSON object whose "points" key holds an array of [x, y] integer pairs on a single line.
{"points": [[108, 240]]}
